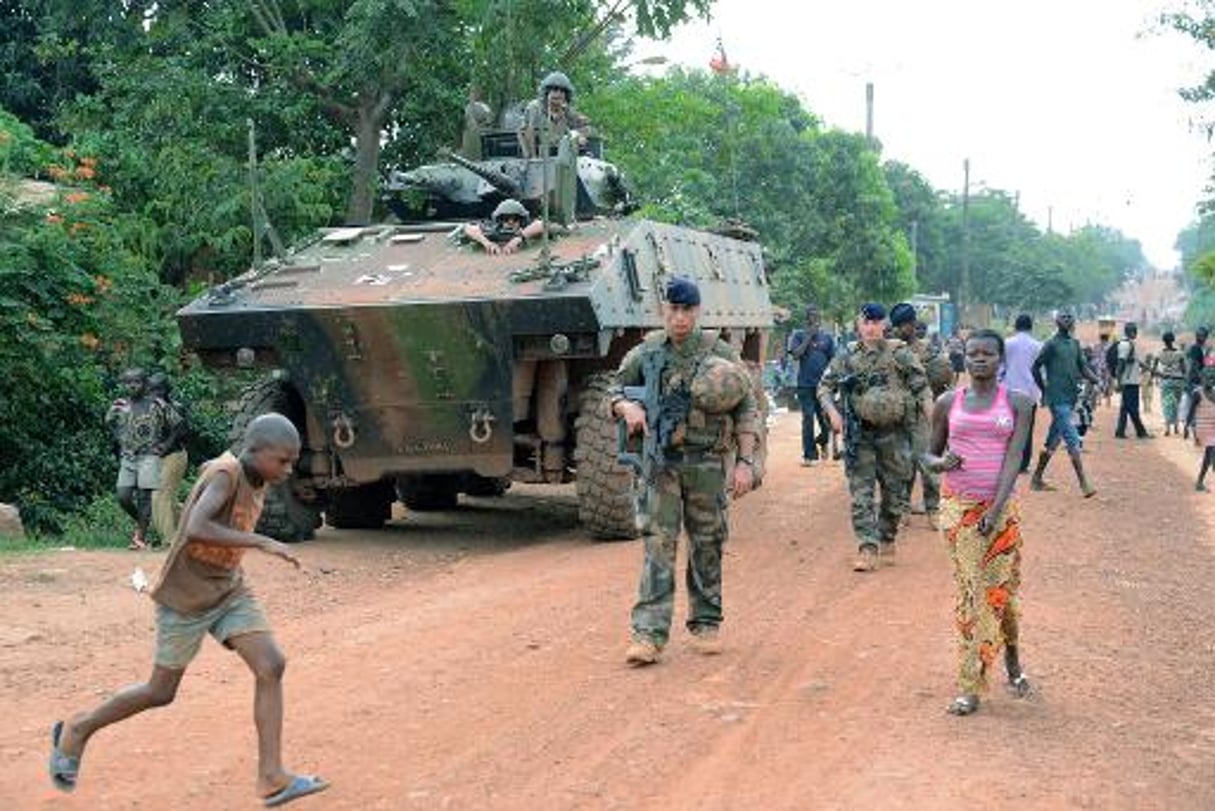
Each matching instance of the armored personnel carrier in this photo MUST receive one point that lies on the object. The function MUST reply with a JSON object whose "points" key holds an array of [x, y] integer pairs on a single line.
{"points": [[417, 368]]}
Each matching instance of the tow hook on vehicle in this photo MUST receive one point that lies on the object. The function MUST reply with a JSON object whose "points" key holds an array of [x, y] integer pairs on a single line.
{"points": [[343, 431], [480, 427]]}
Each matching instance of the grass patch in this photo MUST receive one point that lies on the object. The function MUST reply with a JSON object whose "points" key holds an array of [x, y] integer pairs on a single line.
{"points": [[101, 525]]}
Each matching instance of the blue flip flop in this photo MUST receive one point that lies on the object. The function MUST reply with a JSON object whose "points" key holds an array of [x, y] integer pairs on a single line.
{"points": [[301, 785], [64, 769]]}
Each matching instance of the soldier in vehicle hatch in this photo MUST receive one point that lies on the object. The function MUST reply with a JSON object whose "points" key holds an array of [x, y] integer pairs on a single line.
{"points": [[554, 107], [879, 381], [507, 229]]}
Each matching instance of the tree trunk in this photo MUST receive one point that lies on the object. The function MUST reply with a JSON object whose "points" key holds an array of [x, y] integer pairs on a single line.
{"points": [[366, 162]]}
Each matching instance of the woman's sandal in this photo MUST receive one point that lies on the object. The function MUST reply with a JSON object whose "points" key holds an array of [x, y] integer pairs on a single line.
{"points": [[1020, 687], [963, 705]]}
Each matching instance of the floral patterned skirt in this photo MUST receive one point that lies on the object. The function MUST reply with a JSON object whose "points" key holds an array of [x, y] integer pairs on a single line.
{"points": [[987, 572]]}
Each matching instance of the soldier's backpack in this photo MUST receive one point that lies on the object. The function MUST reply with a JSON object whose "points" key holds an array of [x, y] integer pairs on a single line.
{"points": [[881, 406], [719, 385], [882, 400]]}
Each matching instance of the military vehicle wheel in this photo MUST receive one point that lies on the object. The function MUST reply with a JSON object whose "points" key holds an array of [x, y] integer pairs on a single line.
{"points": [[365, 507], [429, 493], [605, 489], [285, 516]]}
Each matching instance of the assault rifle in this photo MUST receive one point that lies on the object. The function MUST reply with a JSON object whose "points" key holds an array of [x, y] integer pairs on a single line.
{"points": [[852, 426], [663, 418]]}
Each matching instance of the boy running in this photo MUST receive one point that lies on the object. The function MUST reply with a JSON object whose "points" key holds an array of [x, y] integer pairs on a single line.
{"points": [[201, 590]]}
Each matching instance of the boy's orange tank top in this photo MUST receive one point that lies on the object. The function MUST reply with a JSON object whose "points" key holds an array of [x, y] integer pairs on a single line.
{"points": [[197, 577]]}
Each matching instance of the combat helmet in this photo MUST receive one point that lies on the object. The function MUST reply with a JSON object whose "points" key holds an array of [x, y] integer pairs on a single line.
{"points": [[510, 208], [559, 81], [719, 385], [881, 406]]}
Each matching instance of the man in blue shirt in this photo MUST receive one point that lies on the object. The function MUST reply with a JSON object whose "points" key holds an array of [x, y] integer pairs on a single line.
{"points": [[813, 349]]}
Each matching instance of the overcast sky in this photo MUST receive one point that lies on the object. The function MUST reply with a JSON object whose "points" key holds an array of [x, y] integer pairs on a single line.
{"points": [[1073, 103]]}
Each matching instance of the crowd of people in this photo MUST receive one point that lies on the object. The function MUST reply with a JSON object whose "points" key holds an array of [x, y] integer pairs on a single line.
{"points": [[964, 410], [895, 397]]}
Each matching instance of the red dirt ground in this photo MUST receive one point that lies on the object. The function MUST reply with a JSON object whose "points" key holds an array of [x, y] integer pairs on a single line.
{"points": [[474, 660]]}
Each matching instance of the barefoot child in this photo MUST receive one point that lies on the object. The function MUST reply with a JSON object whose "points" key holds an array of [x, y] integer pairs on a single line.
{"points": [[1204, 425], [201, 590]]}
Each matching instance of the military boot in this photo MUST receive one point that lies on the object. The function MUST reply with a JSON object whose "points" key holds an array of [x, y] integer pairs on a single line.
{"points": [[867, 559]]}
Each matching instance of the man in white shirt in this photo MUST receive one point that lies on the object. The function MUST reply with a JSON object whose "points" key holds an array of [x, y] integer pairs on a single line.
{"points": [[1128, 375], [1020, 351]]}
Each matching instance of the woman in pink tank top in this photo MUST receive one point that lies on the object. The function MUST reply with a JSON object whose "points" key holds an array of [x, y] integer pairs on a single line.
{"points": [[977, 436]]}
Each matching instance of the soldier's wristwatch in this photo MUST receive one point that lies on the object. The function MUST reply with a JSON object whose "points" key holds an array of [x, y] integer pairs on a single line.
{"points": [[748, 461]]}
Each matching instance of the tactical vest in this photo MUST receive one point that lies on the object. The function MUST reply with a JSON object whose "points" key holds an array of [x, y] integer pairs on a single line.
{"points": [[701, 431]]}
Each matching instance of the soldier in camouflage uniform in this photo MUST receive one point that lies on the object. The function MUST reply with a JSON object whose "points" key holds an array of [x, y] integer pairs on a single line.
{"points": [[555, 109], [881, 382], [691, 486], [939, 372]]}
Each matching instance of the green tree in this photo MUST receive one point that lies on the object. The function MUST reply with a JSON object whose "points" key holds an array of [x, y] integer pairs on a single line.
{"points": [[701, 148], [921, 217]]}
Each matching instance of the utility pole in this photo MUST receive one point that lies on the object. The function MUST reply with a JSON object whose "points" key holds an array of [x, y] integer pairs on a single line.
{"points": [[869, 113], [254, 196], [964, 282]]}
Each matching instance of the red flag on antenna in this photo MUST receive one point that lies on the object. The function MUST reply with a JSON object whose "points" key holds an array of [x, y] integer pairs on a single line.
{"points": [[719, 63]]}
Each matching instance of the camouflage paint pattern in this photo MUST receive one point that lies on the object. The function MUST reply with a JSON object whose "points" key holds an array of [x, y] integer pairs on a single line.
{"points": [[937, 371], [687, 495], [405, 349], [883, 462]]}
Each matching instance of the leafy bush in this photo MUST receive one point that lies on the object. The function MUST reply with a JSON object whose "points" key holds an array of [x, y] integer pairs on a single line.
{"points": [[20, 152], [77, 304]]}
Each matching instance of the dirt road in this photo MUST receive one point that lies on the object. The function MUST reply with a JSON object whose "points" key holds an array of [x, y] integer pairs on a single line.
{"points": [[474, 660]]}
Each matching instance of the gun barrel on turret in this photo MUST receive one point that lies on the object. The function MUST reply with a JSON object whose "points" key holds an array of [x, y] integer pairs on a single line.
{"points": [[503, 183]]}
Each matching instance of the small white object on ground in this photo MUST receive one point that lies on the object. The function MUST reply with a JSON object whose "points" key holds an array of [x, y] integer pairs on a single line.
{"points": [[139, 580]]}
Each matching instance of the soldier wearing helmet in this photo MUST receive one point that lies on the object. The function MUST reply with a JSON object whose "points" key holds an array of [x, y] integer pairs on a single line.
{"points": [[506, 230], [554, 108], [879, 380]]}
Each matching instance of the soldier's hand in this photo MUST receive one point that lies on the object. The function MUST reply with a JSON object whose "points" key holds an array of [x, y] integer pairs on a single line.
{"points": [[951, 461], [837, 422], [492, 248], [512, 246], [743, 479], [633, 415]]}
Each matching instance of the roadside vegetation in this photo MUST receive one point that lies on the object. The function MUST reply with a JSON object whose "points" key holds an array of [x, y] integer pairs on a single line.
{"points": [[124, 185]]}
